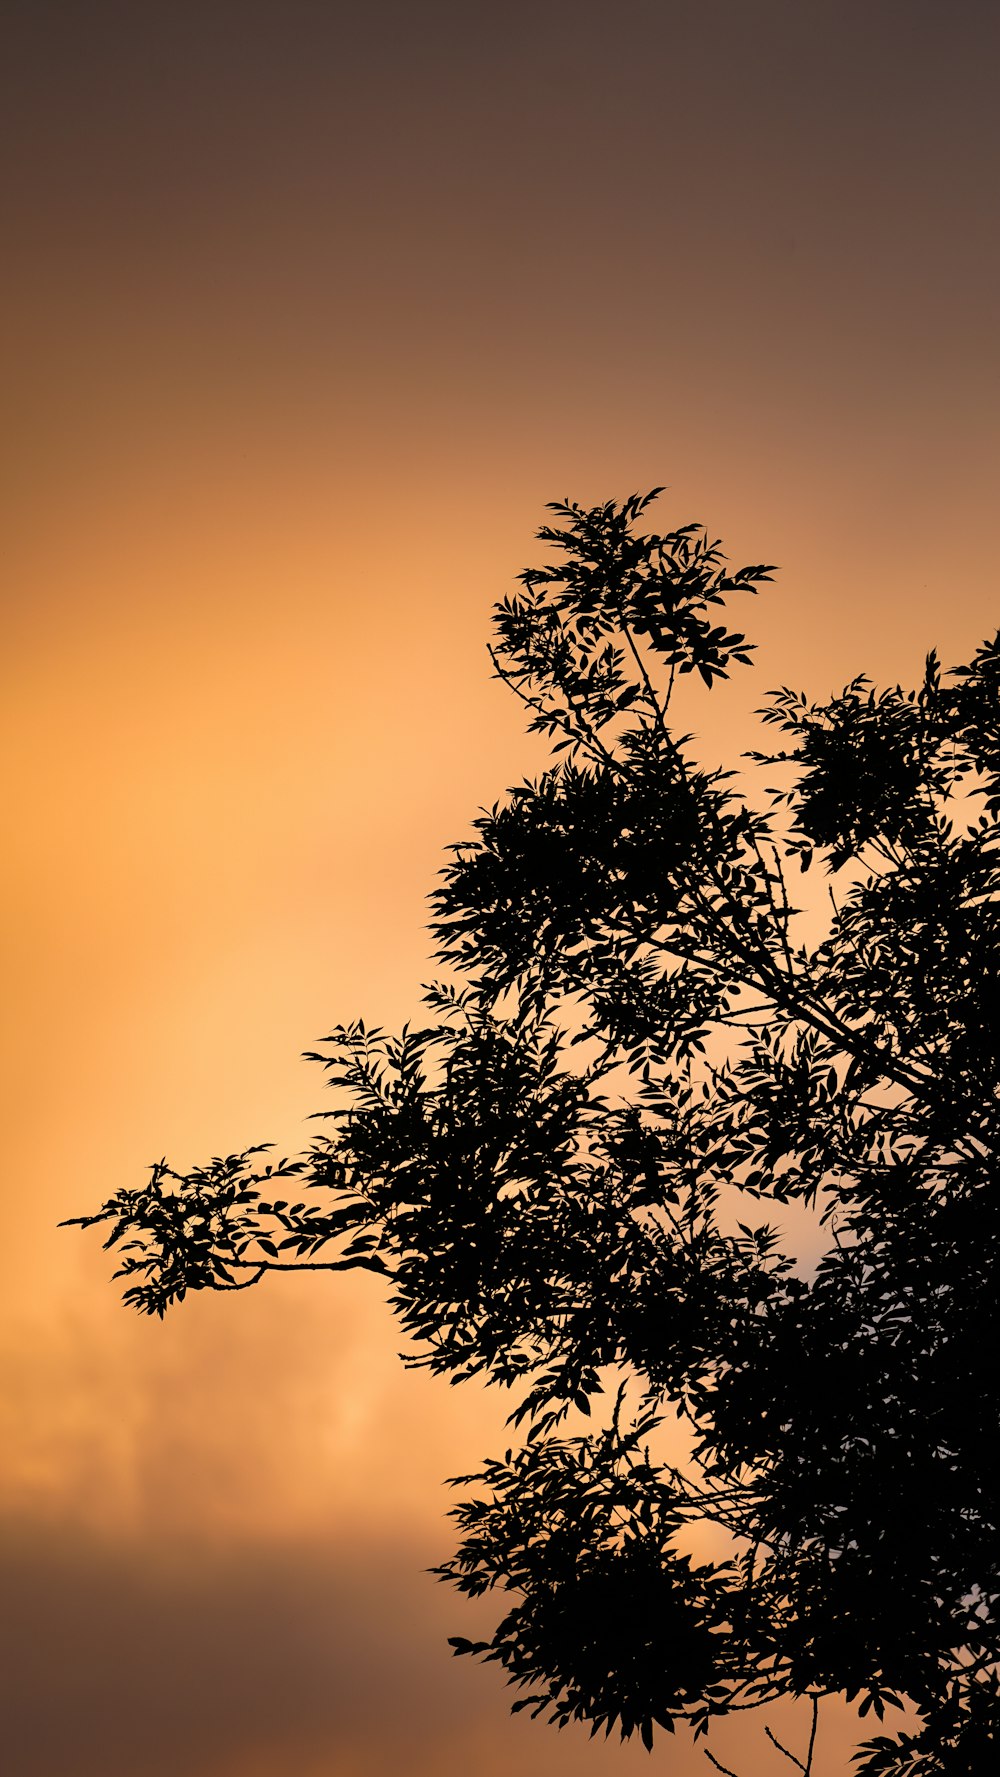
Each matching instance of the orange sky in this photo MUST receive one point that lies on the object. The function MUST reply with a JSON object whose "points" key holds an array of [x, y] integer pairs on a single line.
{"points": [[308, 310]]}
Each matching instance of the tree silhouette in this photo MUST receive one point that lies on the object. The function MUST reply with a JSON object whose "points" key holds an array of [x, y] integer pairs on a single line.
{"points": [[562, 1174]]}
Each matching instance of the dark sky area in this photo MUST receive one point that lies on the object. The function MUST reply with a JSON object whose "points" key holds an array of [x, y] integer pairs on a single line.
{"points": [[307, 312]]}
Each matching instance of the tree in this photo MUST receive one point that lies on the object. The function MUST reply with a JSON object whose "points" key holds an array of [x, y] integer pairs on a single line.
{"points": [[634, 1058]]}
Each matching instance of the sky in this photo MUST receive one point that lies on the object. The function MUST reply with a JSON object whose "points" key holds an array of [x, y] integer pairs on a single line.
{"points": [[307, 312]]}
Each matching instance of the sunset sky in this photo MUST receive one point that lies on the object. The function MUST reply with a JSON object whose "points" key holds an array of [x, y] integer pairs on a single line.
{"points": [[308, 310]]}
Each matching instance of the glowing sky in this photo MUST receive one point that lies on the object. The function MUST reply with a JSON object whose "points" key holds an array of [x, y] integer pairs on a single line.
{"points": [[308, 310]]}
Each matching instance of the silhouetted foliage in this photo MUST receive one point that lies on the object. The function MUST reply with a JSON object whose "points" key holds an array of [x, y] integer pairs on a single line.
{"points": [[564, 1175]]}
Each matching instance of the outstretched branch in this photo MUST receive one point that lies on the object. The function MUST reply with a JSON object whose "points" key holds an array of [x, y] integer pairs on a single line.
{"points": [[363, 1262]]}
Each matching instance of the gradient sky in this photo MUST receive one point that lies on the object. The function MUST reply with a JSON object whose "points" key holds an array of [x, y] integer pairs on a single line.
{"points": [[308, 310]]}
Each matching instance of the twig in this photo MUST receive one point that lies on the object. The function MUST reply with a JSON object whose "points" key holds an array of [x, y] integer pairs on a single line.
{"points": [[726, 1772], [789, 1755]]}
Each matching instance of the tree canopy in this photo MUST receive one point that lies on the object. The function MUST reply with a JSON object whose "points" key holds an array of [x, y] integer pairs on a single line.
{"points": [[573, 1172]]}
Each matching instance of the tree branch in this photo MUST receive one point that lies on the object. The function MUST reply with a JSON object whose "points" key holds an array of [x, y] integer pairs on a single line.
{"points": [[364, 1262]]}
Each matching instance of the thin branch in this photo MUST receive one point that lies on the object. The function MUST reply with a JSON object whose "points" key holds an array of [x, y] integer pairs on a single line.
{"points": [[650, 692], [784, 1749], [812, 1736], [726, 1772], [780, 914]]}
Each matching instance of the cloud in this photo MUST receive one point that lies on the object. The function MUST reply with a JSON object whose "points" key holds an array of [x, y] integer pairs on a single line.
{"points": [[174, 1662]]}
